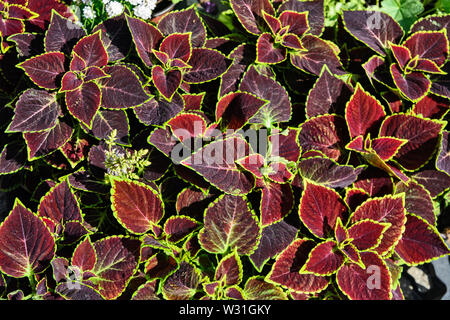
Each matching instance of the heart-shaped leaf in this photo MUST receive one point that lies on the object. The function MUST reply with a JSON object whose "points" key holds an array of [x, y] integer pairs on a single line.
{"points": [[136, 206], [26, 245], [413, 85], [91, 50], [84, 256], [178, 227], [229, 224], [177, 46], [267, 51], [166, 83], [324, 259]]}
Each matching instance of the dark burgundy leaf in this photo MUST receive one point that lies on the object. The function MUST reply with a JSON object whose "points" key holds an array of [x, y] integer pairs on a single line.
{"points": [[432, 106], [184, 21], [84, 102], [363, 113], [274, 239], [324, 133], [116, 37], [315, 9], [386, 147], [249, 13], [70, 81], [158, 112], [45, 69], [229, 224], [374, 28], [182, 285], [236, 108], [82, 180], [94, 73], [177, 46], [122, 89], [355, 197], [166, 83], [377, 69], [278, 108], [91, 50], [60, 205], [318, 53], [443, 158], [431, 45], [229, 270], [273, 22], [389, 209], [420, 242], [84, 256], [77, 291], [417, 201], [434, 181], [256, 288], [216, 163], [340, 233], [297, 22], [284, 144], [178, 227], [145, 37], [27, 44], [401, 54], [44, 8], [326, 172], [105, 121], [267, 51], [277, 200], [117, 259], [413, 85], [147, 291], [285, 270], [13, 157], [329, 95], [422, 135], [375, 182], [366, 234], [26, 245], [206, 65], [62, 34]]}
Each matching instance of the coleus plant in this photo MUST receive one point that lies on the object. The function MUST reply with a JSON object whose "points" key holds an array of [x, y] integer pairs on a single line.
{"points": [[138, 177]]}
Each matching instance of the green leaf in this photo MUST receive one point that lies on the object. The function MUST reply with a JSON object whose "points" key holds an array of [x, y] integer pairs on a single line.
{"points": [[405, 12]]}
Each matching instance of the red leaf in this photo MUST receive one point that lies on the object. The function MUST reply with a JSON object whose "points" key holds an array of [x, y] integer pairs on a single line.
{"points": [[355, 197], [45, 69], [26, 245], [273, 22], [253, 163], [70, 81], [277, 201], [371, 283], [77, 63], [315, 11], [417, 201], [413, 85], [363, 113], [177, 46], [324, 259], [236, 108], [284, 144], [401, 54], [183, 284], [167, 84], [178, 227], [352, 253], [389, 209], [229, 224], [84, 102], [319, 209], [443, 158], [432, 106], [187, 125], [136, 206], [425, 65], [84, 256], [367, 234], [94, 73], [11, 26], [229, 270], [193, 101], [297, 22], [387, 147], [285, 270], [431, 45], [292, 41], [420, 242], [267, 52], [357, 144], [92, 51], [60, 205], [340, 233]]}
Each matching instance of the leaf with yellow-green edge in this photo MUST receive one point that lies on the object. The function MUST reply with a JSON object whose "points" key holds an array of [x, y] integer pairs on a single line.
{"points": [[84, 256], [250, 13], [285, 270], [26, 244], [230, 224], [229, 270], [117, 258], [389, 209], [257, 289], [179, 227], [319, 209], [443, 157], [135, 205], [418, 201], [315, 9], [183, 283], [13, 157], [367, 234], [277, 201], [420, 243], [324, 260], [435, 181]]}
